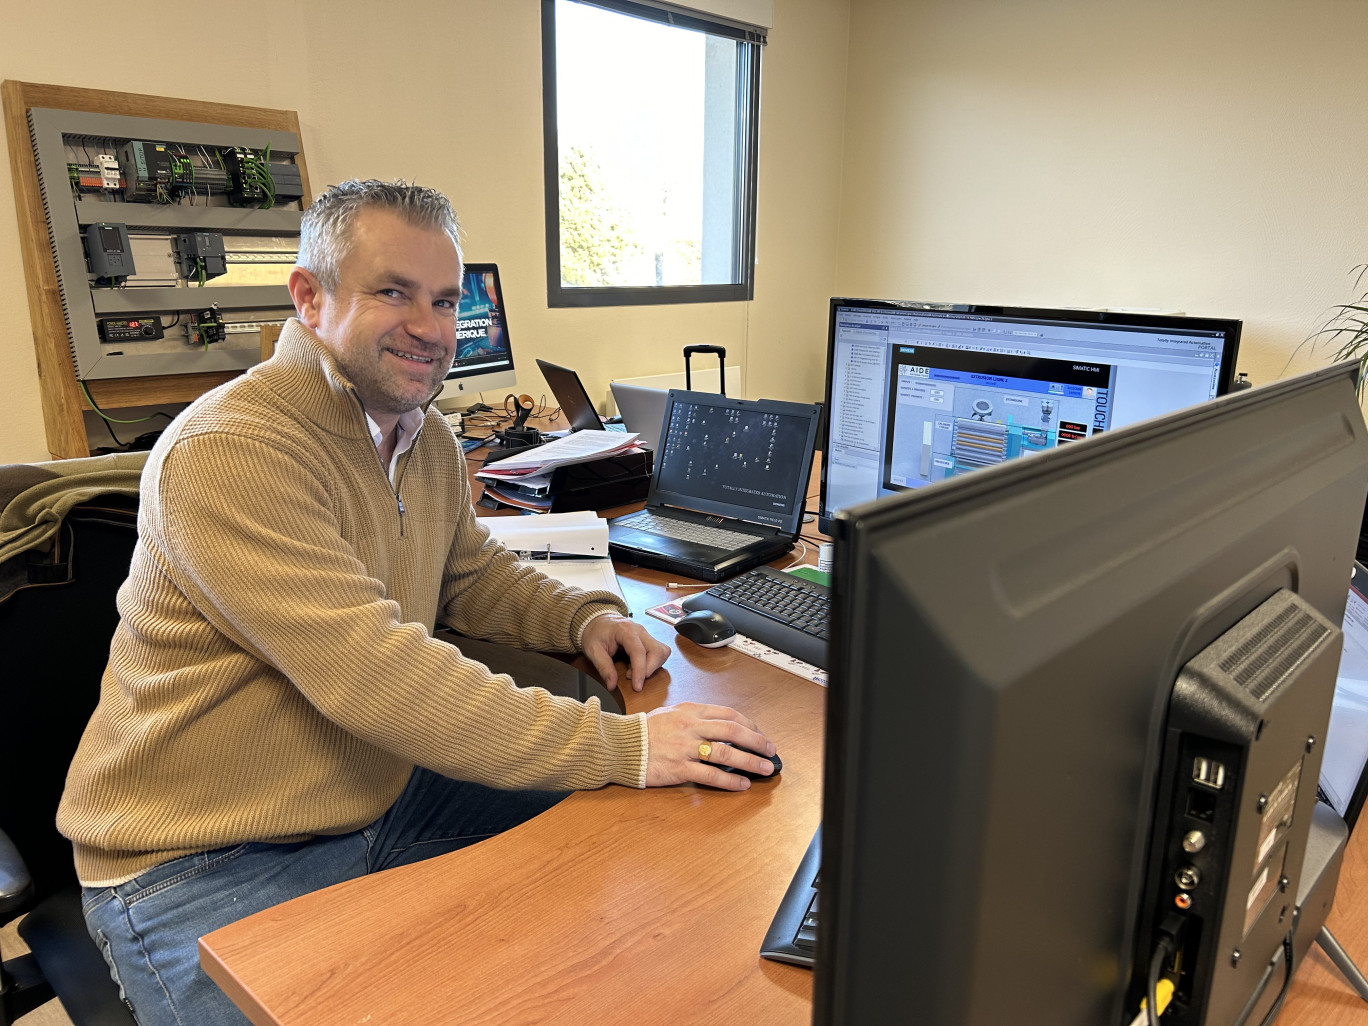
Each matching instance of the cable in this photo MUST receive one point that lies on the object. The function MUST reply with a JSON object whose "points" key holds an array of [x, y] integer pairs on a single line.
{"points": [[1282, 955], [1156, 967], [800, 557], [1165, 989], [1168, 943], [111, 421]]}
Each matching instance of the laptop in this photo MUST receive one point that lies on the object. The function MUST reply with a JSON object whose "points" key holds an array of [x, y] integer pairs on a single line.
{"points": [[642, 410], [571, 397], [731, 476]]}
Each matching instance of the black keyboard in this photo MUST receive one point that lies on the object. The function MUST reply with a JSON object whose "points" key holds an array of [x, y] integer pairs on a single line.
{"points": [[792, 936], [775, 608]]}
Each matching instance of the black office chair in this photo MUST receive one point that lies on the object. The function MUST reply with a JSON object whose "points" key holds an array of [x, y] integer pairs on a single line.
{"points": [[57, 615]]}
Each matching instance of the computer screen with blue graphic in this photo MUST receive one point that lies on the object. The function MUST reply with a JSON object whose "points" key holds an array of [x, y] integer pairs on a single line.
{"points": [[920, 392], [484, 355]]}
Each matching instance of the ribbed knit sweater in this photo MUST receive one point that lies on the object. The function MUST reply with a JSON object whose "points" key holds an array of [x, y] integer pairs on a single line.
{"points": [[274, 676]]}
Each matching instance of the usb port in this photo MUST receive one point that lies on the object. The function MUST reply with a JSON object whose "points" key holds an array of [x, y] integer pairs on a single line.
{"points": [[1208, 772]]}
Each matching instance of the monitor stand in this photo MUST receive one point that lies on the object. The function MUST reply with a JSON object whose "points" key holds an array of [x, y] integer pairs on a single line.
{"points": [[1320, 876]]}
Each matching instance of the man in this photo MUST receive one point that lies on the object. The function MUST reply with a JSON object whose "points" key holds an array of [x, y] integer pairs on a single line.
{"points": [[276, 715]]}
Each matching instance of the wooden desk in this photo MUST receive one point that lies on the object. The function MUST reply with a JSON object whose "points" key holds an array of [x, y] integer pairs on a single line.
{"points": [[612, 907], [616, 906]]}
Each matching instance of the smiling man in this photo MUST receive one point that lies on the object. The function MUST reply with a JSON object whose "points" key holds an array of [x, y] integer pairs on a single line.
{"points": [[276, 716]]}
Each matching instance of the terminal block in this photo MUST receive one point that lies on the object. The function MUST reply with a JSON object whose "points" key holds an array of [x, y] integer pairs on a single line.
{"points": [[249, 177], [206, 327]]}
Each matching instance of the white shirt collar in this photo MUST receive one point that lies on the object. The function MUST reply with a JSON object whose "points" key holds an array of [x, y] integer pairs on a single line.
{"points": [[409, 423]]}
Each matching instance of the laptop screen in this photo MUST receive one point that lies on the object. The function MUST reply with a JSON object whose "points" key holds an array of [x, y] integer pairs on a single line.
{"points": [[1343, 782], [748, 459]]}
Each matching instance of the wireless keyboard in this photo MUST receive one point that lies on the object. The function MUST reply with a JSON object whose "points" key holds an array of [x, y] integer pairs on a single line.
{"points": [[777, 609]]}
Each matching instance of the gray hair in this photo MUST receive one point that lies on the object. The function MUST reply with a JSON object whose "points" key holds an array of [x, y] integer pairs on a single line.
{"points": [[325, 229]]}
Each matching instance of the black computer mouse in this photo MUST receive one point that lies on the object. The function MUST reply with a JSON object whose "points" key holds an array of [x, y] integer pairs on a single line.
{"points": [[774, 759], [707, 628]]}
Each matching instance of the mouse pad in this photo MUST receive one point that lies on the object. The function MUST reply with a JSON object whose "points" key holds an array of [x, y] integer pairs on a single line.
{"points": [[532, 669]]}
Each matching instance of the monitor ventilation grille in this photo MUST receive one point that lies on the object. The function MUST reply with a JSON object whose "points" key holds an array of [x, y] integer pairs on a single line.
{"points": [[1266, 659]]}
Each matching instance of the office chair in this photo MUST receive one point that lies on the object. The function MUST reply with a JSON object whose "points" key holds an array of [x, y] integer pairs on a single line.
{"points": [[57, 615]]}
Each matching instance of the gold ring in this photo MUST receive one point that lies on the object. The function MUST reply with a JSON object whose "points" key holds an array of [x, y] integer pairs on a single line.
{"points": [[704, 750]]}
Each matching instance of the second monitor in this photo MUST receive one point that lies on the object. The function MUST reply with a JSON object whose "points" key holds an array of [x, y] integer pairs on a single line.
{"points": [[918, 392], [484, 355]]}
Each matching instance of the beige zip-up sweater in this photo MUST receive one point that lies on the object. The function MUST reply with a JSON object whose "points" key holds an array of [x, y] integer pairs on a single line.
{"points": [[274, 675]]}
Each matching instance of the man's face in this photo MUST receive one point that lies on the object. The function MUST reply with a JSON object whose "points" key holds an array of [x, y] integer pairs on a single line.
{"points": [[391, 324]]}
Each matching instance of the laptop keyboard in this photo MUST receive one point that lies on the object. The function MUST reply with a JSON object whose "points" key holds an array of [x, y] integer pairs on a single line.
{"points": [[683, 530]]}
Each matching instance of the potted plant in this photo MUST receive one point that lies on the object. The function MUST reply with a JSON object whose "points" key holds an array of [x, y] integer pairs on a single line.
{"points": [[1347, 328]]}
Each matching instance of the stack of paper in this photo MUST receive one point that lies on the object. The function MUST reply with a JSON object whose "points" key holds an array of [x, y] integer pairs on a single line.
{"points": [[531, 470]]}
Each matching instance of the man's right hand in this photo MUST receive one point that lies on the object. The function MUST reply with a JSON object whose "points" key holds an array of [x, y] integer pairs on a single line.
{"points": [[676, 732]]}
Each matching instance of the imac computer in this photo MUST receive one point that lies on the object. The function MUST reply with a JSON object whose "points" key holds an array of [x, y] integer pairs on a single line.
{"points": [[1075, 720], [918, 392], [484, 357]]}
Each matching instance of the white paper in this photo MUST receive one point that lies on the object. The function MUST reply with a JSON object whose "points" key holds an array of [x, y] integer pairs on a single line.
{"points": [[589, 574], [582, 533], [579, 447]]}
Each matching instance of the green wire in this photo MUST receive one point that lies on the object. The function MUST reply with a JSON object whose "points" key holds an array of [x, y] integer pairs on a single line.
{"points": [[107, 417]]}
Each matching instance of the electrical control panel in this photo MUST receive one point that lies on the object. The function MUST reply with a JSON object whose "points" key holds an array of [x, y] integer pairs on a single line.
{"points": [[174, 235]]}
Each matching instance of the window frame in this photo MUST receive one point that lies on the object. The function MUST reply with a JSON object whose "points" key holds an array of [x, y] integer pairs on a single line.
{"points": [[746, 172]]}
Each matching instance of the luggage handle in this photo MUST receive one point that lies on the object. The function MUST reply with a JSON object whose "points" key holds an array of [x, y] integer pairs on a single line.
{"points": [[721, 368]]}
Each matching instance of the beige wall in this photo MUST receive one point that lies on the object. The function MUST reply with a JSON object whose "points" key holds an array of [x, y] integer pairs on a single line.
{"points": [[448, 92], [1207, 157]]}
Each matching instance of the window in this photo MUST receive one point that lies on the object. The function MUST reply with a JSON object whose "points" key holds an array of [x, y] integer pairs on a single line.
{"points": [[650, 119]]}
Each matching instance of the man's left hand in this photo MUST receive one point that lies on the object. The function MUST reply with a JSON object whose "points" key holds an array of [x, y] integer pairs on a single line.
{"points": [[606, 635]]}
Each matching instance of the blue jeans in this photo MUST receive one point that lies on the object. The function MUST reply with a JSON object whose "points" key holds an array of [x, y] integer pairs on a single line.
{"points": [[149, 927]]}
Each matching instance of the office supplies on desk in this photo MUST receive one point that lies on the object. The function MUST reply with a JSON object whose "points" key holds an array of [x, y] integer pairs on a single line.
{"points": [[580, 447], [614, 480], [671, 612], [782, 610], [730, 479], [553, 535], [706, 628], [569, 547]]}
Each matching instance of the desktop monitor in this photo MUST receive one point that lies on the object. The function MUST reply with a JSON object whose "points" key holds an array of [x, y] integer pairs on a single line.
{"points": [[1019, 658], [484, 356], [918, 392], [1344, 774]]}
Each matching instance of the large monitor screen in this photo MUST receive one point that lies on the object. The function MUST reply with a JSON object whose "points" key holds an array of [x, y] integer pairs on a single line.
{"points": [[917, 393]]}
